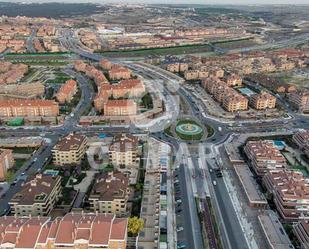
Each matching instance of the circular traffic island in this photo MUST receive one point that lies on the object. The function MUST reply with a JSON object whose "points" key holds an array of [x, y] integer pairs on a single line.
{"points": [[189, 130]]}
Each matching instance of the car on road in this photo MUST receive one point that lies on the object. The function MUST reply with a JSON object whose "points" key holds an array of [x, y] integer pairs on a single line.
{"points": [[179, 229], [214, 183], [179, 210], [181, 245], [219, 174]]}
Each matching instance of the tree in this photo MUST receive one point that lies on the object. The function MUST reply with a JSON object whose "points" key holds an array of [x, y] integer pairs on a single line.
{"points": [[135, 225], [9, 176]]}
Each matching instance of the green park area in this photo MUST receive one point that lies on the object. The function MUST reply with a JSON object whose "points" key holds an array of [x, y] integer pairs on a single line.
{"points": [[160, 51], [59, 78]]}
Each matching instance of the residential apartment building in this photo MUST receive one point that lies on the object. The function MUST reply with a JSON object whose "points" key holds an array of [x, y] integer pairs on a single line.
{"points": [[24, 90], [300, 100], [123, 107], [119, 72], [67, 91], [301, 138], [301, 231], [92, 72], [195, 74], [123, 151], [172, 67], [263, 101], [70, 149], [230, 99], [290, 191], [37, 196], [131, 88], [28, 108], [6, 162], [105, 64], [191, 74], [72, 231], [110, 193], [233, 80], [176, 67], [264, 156], [235, 102]]}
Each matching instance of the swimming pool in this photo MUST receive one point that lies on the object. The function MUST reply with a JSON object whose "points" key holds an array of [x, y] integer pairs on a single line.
{"points": [[246, 91]]}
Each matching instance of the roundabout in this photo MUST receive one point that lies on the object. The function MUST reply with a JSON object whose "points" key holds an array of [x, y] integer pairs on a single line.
{"points": [[189, 129]]}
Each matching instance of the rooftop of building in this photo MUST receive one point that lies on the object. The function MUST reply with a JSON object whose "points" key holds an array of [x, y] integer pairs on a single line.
{"points": [[123, 143], [120, 103], [249, 184], [274, 231], [111, 185], [36, 190], [94, 229], [289, 184], [27, 102], [264, 149], [70, 142]]}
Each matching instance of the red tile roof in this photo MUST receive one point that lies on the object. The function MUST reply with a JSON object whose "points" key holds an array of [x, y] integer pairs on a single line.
{"points": [[29, 232]]}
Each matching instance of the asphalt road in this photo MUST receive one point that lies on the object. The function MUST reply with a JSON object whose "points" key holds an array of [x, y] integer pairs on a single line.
{"points": [[188, 217], [230, 220]]}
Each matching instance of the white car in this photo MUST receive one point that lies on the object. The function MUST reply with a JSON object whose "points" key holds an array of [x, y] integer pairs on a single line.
{"points": [[179, 229]]}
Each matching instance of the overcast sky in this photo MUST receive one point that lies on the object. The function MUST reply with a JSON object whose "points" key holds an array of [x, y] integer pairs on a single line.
{"points": [[246, 2]]}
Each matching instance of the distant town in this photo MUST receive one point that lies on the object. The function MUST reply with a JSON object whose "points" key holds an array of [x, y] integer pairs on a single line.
{"points": [[154, 126]]}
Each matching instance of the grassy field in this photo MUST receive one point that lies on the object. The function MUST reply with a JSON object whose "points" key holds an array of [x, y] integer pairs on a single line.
{"points": [[19, 163], [23, 150], [10, 176], [160, 51], [234, 44], [39, 54], [41, 62], [58, 77]]}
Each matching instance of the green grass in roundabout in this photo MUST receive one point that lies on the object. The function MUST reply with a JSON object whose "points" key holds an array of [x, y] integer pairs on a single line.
{"points": [[186, 135]]}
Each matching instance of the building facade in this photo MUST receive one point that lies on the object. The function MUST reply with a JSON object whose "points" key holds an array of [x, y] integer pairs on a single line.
{"points": [[123, 107], [123, 151], [6, 162], [290, 191], [263, 101], [37, 196], [72, 231], [264, 156], [301, 231], [28, 108], [110, 193], [300, 100], [67, 91], [301, 138], [70, 149]]}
